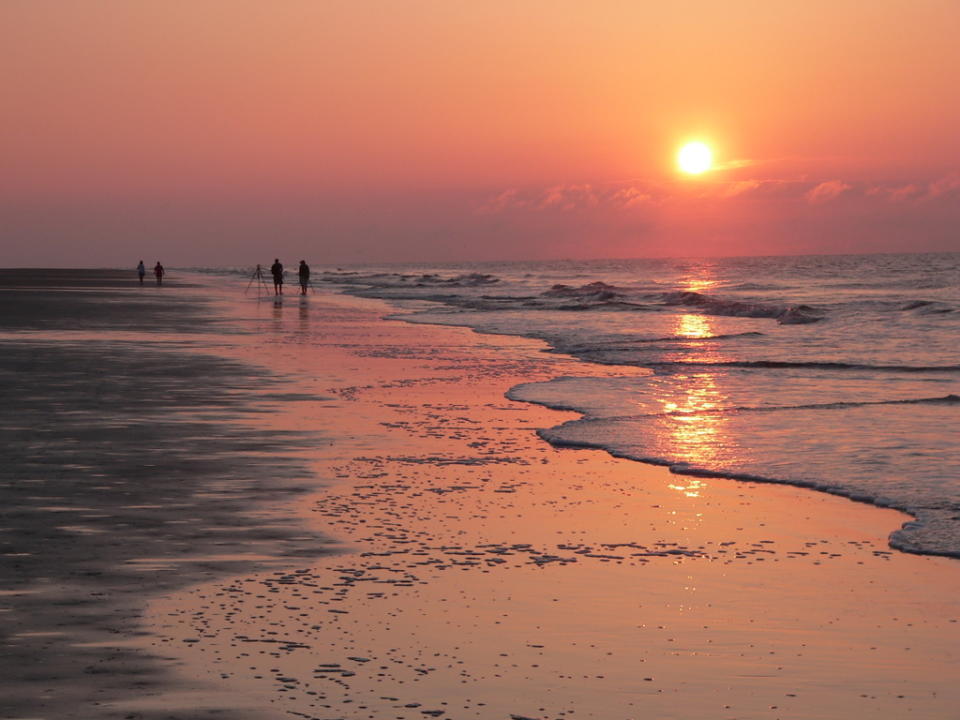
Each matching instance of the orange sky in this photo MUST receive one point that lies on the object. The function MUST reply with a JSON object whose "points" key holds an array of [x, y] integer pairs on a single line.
{"points": [[224, 131]]}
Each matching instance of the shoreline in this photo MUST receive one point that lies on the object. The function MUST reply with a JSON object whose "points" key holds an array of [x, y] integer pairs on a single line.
{"points": [[440, 480], [907, 538]]}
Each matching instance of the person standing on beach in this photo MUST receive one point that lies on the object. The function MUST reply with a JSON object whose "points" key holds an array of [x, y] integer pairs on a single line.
{"points": [[141, 271], [277, 270], [159, 272], [304, 273]]}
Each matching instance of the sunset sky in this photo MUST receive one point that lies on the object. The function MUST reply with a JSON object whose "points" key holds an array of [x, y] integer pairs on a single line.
{"points": [[221, 132]]}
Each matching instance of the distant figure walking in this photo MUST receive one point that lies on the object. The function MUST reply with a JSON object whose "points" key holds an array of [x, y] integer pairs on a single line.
{"points": [[141, 271], [277, 270], [304, 273], [159, 272]]}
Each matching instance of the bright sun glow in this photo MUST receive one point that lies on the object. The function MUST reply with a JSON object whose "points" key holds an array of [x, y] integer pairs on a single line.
{"points": [[694, 158]]}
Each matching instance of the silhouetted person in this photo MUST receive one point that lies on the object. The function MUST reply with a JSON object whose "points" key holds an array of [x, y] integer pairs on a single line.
{"points": [[159, 272], [304, 273], [277, 270], [141, 271]]}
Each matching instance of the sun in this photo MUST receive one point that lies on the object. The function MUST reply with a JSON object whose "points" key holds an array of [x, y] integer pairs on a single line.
{"points": [[695, 158]]}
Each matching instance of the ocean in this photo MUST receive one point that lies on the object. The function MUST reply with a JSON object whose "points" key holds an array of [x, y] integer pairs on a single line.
{"points": [[839, 373]]}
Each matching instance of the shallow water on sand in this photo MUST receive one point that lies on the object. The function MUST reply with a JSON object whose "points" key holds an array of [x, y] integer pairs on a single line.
{"points": [[834, 372]]}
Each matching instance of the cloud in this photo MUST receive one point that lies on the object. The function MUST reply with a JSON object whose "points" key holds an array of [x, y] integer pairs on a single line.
{"points": [[897, 194], [632, 197], [949, 185], [569, 197], [771, 189], [827, 191], [501, 202], [635, 199], [735, 164], [741, 187]]}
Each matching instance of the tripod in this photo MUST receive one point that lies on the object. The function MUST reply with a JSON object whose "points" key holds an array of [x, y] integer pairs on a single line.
{"points": [[261, 283]]}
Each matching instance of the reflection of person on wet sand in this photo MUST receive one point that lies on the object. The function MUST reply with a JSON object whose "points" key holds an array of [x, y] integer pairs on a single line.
{"points": [[304, 317], [304, 273], [277, 270], [159, 272]]}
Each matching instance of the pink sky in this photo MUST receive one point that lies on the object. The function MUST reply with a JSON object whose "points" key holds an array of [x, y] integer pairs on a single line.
{"points": [[219, 132]]}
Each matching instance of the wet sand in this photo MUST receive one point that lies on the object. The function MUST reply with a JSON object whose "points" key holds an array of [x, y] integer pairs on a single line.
{"points": [[477, 573], [489, 575], [134, 462]]}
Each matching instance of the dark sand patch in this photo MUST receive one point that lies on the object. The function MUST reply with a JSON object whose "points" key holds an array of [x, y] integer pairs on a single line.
{"points": [[34, 299], [62, 279]]}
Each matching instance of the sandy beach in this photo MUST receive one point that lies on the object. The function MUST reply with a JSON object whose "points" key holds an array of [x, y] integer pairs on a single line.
{"points": [[334, 515]]}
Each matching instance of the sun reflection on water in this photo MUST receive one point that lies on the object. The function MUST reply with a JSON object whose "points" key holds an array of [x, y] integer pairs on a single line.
{"points": [[693, 327], [696, 426], [699, 279]]}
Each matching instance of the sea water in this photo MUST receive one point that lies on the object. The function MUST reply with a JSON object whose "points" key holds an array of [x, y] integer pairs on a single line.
{"points": [[840, 373]]}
